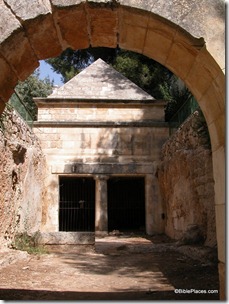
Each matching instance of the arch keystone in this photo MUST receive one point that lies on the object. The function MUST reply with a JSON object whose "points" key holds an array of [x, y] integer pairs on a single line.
{"points": [[103, 26]]}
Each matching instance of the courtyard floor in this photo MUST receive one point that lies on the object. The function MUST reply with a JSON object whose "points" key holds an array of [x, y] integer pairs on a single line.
{"points": [[124, 267]]}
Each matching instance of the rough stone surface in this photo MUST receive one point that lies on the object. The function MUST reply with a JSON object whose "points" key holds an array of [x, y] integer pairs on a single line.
{"points": [[62, 3], [8, 22], [38, 16], [65, 238], [24, 61], [25, 12], [103, 27], [193, 235], [44, 39], [70, 20], [22, 174], [8, 80], [186, 182]]}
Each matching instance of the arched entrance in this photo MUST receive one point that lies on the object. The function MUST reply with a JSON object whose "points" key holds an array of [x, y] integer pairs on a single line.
{"points": [[162, 31]]}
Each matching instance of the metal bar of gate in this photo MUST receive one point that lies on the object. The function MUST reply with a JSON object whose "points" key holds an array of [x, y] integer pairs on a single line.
{"points": [[77, 204]]}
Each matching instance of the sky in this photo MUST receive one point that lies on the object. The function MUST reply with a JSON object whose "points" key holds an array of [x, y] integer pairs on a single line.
{"points": [[46, 70]]}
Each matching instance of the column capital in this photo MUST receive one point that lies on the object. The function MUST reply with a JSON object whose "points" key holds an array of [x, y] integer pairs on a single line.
{"points": [[101, 177]]}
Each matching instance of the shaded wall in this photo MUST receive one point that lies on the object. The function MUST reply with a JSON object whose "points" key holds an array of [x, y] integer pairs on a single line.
{"points": [[22, 176], [186, 181]]}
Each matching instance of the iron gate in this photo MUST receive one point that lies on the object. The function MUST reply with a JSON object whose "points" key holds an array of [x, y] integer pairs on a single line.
{"points": [[126, 203], [76, 204]]}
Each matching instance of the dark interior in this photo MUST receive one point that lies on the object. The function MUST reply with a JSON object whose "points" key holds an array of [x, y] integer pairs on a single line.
{"points": [[126, 204]]}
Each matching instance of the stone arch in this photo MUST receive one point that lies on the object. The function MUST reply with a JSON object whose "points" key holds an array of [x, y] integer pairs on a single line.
{"points": [[167, 31]]}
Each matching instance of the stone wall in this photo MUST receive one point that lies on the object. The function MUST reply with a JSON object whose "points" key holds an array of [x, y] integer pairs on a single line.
{"points": [[111, 138], [22, 173], [186, 181]]}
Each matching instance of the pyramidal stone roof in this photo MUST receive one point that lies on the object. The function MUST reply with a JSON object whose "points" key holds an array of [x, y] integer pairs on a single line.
{"points": [[100, 81]]}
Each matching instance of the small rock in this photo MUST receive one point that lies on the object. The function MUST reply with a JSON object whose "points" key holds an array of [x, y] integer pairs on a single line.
{"points": [[193, 235], [25, 268]]}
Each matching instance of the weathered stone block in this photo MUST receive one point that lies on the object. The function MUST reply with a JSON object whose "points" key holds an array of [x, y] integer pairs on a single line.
{"points": [[8, 22], [39, 25], [63, 3], [65, 238], [26, 12], [24, 61], [42, 34], [181, 59], [22, 163], [193, 235], [218, 158], [217, 132], [69, 21], [8, 80], [103, 26], [2, 106], [221, 232], [206, 65], [141, 4], [157, 46], [132, 29], [186, 168], [219, 85]]}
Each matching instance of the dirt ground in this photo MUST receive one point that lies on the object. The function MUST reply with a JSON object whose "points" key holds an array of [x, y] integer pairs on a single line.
{"points": [[125, 267]]}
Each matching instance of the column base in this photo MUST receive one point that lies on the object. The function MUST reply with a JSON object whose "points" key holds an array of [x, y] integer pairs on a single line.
{"points": [[101, 233]]}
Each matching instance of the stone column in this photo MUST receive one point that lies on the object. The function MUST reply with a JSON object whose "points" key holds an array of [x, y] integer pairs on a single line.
{"points": [[101, 213], [153, 208]]}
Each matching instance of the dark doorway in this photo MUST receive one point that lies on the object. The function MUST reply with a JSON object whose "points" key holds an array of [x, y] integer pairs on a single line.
{"points": [[126, 203], [77, 204]]}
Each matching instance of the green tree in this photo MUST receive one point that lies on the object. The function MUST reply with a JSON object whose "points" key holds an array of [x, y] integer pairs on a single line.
{"points": [[26, 90], [146, 73], [71, 62]]}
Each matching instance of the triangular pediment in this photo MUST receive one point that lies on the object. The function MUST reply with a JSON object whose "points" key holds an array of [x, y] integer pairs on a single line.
{"points": [[100, 81]]}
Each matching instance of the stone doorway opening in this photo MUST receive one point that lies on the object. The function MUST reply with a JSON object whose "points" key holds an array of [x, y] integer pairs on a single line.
{"points": [[76, 204], [126, 204]]}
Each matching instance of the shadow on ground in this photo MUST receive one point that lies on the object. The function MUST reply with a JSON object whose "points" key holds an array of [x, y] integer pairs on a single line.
{"points": [[14, 294], [116, 268]]}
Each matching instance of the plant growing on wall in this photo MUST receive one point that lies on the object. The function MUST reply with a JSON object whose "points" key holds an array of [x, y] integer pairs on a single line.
{"points": [[4, 117], [201, 128]]}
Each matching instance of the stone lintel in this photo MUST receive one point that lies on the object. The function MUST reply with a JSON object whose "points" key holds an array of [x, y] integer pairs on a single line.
{"points": [[80, 168], [66, 101], [101, 124]]}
